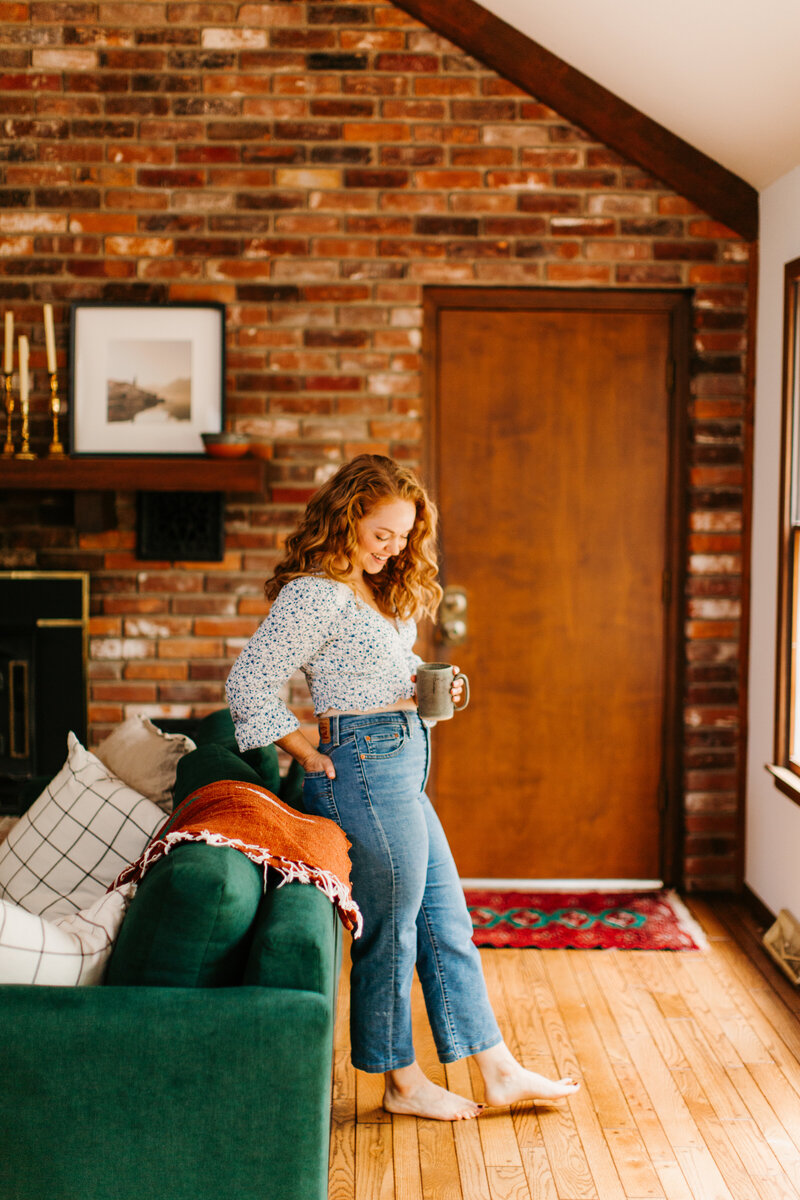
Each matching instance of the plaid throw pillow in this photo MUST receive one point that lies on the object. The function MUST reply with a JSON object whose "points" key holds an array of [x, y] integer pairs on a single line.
{"points": [[65, 952], [75, 839]]}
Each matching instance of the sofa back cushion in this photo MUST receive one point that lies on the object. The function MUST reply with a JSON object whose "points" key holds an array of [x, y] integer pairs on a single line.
{"points": [[189, 923], [217, 729]]}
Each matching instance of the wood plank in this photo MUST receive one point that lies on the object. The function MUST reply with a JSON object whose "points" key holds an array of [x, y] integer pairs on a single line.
{"points": [[612, 120], [466, 1136], [369, 1100], [782, 1097], [743, 1156], [405, 1147], [567, 1157], [748, 936], [498, 1136], [374, 1167], [705, 914], [614, 1150], [438, 1161], [610, 1105], [713, 1005], [660, 1153], [525, 1038], [668, 1096], [507, 1183], [342, 1172]]}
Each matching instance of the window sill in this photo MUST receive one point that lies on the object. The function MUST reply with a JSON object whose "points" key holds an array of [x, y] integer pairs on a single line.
{"points": [[785, 780]]}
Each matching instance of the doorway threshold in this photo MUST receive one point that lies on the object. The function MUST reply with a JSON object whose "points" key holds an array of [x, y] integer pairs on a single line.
{"points": [[565, 885]]}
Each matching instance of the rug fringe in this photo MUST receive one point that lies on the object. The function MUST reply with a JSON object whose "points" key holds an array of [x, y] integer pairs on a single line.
{"points": [[686, 921]]}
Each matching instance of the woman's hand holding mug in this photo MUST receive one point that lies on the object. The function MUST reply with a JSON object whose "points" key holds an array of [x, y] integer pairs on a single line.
{"points": [[440, 688]]}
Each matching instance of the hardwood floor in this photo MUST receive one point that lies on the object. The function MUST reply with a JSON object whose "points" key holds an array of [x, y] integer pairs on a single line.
{"points": [[690, 1064]]}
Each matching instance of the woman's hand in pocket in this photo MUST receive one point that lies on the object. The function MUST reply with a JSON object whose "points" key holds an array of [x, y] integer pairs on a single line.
{"points": [[316, 762]]}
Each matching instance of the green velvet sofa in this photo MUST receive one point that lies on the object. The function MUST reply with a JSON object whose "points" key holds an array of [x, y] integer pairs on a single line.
{"points": [[163, 1091]]}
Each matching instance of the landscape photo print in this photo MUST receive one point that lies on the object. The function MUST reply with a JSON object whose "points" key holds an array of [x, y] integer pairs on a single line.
{"points": [[146, 379]]}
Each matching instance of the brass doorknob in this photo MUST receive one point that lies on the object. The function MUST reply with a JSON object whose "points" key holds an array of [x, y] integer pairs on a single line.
{"points": [[453, 611]]}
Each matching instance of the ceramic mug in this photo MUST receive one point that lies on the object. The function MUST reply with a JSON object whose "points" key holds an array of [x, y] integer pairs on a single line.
{"points": [[434, 700]]}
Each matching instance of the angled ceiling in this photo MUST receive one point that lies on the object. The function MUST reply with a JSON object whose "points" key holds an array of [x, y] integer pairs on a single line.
{"points": [[590, 104], [721, 74]]}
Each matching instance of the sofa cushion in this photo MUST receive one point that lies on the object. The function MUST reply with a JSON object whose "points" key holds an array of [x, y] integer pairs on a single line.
{"points": [[292, 946], [217, 728], [145, 758], [189, 923], [207, 764], [73, 841], [66, 951]]}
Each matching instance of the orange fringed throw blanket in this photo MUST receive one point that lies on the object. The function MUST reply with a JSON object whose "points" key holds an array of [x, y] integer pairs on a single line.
{"points": [[251, 819]]}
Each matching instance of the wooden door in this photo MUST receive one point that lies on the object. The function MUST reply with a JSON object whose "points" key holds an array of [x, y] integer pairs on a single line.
{"points": [[551, 442]]}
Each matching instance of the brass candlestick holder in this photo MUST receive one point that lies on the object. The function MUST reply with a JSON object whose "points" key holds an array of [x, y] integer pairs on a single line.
{"points": [[56, 449], [25, 450], [8, 448]]}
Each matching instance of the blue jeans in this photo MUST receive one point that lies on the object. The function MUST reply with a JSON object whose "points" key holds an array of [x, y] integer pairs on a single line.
{"points": [[406, 884]]}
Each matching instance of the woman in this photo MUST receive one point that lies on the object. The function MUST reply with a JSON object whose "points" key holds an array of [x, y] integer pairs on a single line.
{"points": [[358, 569]]}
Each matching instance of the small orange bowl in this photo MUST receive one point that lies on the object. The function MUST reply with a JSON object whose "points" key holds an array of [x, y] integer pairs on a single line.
{"points": [[226, 445], [261, 449]]}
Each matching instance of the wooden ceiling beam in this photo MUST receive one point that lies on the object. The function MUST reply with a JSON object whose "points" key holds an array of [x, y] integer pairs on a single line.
{"points": [[713, 188]]}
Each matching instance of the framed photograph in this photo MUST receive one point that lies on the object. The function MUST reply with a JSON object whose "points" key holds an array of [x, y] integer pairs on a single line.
{"points": [[145, 378]]}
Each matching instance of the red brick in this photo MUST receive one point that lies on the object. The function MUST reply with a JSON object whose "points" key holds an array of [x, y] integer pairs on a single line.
{"points": [[575, 272], [406, 63], [190, 648]]}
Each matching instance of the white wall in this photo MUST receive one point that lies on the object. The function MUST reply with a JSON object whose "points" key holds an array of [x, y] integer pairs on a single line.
{"points": [[772, 863]]}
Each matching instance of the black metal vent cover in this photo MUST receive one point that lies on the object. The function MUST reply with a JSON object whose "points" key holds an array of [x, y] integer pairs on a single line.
{"points": [[185, 526]]}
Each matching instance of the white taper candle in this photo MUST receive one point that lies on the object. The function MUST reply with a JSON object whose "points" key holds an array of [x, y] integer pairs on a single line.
{"points": [[23, 372], [50, 338], [8, 361]]}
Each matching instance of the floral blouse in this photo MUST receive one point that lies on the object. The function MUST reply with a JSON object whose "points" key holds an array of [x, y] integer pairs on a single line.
{"points": [[353, 658]]}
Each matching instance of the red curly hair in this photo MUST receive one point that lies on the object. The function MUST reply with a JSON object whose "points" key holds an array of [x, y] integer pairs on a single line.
{"points": [[328, 534]]}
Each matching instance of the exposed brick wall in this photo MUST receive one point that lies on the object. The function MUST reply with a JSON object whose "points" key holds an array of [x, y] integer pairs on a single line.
{"points": [[314, 166]]}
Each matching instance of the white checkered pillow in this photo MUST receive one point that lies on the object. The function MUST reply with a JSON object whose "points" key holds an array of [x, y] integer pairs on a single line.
{"points": [[73, 841], [67, 951]]}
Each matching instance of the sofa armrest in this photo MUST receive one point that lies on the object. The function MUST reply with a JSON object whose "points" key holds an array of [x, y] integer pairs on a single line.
{"points": [[296, 941], [191, 1093]]}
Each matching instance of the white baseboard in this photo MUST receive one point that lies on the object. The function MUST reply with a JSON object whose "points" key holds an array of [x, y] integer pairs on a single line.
{"points": [[564, 885]]}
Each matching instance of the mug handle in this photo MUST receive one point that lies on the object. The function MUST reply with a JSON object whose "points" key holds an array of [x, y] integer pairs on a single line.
{"points": [[465, 681]]}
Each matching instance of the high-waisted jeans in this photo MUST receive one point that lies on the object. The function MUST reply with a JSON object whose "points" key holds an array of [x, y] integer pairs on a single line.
{"points": [[406, 884]]}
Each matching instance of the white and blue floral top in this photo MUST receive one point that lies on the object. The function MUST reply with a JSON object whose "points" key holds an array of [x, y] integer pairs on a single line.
{"points": [[353, 659]]}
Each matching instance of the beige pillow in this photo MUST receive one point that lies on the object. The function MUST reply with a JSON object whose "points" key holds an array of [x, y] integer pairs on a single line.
{"points": [[145, 758]]}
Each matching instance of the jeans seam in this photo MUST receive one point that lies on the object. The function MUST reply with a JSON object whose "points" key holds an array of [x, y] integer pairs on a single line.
{"points": [[389, 855], [442, 987]]}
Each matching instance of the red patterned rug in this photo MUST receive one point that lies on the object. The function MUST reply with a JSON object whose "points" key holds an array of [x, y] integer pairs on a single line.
{"points": [[655, 920]]}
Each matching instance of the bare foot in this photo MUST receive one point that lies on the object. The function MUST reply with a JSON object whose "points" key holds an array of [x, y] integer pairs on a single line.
{"points": [[410, 1093], [506, 1081], [527, 1085]]}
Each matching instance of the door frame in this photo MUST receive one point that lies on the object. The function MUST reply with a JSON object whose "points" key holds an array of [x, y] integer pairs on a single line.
{"points": [[676, 304]]}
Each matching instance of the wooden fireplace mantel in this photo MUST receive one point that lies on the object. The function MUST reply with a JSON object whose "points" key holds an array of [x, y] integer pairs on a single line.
{"points": [[168, 473]]}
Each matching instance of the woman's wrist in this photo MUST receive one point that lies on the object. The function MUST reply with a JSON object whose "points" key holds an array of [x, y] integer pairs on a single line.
{"points": [[298, 746]]}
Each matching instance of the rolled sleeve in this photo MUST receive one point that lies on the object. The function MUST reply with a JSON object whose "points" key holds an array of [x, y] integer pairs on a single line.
{"points": [[301, 619]]}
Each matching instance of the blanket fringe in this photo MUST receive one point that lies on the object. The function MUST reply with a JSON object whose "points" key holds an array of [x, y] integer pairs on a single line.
{"points": [[290, 870]]}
